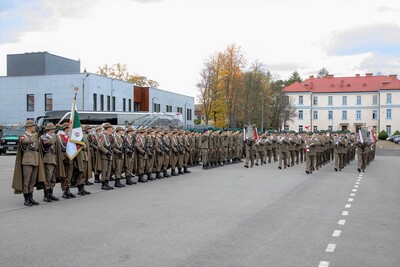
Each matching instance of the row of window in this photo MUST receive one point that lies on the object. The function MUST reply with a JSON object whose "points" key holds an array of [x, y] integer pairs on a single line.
{"points": [[30, 102], [110, 103], [330, 128], [344, 114], [344, 100]]}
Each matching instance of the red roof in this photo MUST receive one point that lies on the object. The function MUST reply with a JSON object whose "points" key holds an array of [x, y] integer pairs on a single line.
{"points": [[331, 84]]}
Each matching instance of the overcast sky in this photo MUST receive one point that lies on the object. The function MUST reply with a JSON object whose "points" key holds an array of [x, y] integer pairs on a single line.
{"points": [[168, 40]]}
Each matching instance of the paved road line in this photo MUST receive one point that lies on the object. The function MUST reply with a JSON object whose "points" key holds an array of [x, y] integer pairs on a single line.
{"points": [[352, 194], [348, 206], [357, 183], [330, 248], [354, 190], [324, 264], [350, 199], [341, 222], [345, 213], [356, 186], [336, 233]]}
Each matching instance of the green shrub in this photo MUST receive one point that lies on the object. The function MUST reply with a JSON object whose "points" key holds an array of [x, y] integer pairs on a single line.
{"points": [[383, 135], [397, 132]]}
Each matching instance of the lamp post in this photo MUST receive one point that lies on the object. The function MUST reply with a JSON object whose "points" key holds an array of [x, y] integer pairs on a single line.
{"points": [[83, 89], [152, 103]]}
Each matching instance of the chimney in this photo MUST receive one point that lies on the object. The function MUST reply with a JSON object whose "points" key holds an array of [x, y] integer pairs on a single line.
{"points": [[311, 76], [394, 76], [369, 74], [329, 76], [311, 85], [357, 75], [341, 83]]}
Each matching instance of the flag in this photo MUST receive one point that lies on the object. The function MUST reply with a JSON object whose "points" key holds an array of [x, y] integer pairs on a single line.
{"points": [[75, 141], [244, 133], [255, 133], [360, 136], [372, 136]]}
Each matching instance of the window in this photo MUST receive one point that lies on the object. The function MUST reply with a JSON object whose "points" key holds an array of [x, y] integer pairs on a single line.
{"points": [[130, 105], [315, 101], [330, 128], [136, 106], [375, 128], [330, 115], [94, 102], [168, 109], [300, 128], [388, 113], [178, 109], [108, 103], [389, 129], [389, 98], [330, 100], [344, 114], [358, 100], [315, 128], [188, 114], [48, 102], [123, 104], [315, 114], [374, 114], [374, 100], [300, 114], [113, 103], [300, 100], [358, 114], [287, 100], [156, 107], [101, 102], [30, 102], [286, 128], [344, 100]]}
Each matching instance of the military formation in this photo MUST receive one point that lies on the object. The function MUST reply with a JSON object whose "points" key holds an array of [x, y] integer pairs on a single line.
{"points": [[141, 155]]}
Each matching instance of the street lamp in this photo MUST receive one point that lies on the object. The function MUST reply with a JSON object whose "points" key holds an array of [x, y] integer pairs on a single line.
{"points": [[83, 89], [152, 103]]}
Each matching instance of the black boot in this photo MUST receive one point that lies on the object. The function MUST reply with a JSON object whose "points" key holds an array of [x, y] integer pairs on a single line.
{"points": [[66, 195], [180, 171], [158, 175], [97, 178], [166, 175], [32, 200], [186, 170], [104, 186], [128, 180], [70, 194], [109, 186], [173, 173], [46, 197], [149, 177], [88, 182], [84, 190], [80, 191], [27, 201], [51, 196]]}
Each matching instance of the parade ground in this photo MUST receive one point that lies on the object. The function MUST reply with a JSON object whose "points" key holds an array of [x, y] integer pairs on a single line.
{"points": [[226, 216]]}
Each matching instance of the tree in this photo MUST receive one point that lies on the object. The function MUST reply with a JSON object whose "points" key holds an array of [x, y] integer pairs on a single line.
{"points": [[322, 73], [295, 77], [120, 71]]}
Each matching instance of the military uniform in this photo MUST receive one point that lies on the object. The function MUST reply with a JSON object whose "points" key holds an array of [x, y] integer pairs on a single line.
{"points": [[310, 148], [118, 155], [283, 151], [50, 161], [175, 153], [186, 145], [204, 149], [141, 155], [159, 153], [105, 147], [149, 142], [129, 157], [166, 141]]}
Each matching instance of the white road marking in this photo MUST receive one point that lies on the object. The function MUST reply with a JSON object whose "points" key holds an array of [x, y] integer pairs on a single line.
{"points": [[350, 199], [357, 183], [348, 206], [336, 233], [330, 248], [352, 194], [354, 190], [324, 264], [356, 186], [345, 213], [341, 222]]}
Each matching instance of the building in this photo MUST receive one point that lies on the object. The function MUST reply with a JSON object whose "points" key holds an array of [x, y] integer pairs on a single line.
{"points": [[340, 103], [27, 94]]}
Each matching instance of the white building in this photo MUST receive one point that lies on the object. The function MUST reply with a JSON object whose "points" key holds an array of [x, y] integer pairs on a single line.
{"points": [[27, 94], [340, 103]]}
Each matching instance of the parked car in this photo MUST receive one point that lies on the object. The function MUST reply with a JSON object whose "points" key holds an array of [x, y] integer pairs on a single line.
{"points": [[392, 137], [10, 138], [396, 140]]}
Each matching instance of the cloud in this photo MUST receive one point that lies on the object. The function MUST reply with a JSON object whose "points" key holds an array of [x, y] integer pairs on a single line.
{"points": [[382, 39], [386, 64], [287, 66], [387, 9], [147, 1]]}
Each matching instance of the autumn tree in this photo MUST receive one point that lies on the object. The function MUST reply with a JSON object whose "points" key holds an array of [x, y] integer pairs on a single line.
{"points": [[120, 71], [322, 72], [295, 77]]}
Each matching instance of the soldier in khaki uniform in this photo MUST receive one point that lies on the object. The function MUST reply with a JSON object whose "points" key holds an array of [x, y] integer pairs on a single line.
{"points": [[105, 147], [62, 139], [96, 159], [149, 142], [166, 141], [159, 152], [291, 150], [297, 143], [204, 140], [129, 157], [29, 167], [274, 147], [141, 155], [48, 140], [260, 150], [362, 154], [182, 152], [283, 151], [87, 135], [310, 147], [118, 155], [268, 147], [186, 144]]}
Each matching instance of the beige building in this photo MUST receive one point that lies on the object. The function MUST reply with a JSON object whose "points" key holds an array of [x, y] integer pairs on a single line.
{"points": [[340, 103]]}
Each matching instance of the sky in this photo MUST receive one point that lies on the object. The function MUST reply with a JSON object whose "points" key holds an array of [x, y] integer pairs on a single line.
{"points": [[169, 40]]}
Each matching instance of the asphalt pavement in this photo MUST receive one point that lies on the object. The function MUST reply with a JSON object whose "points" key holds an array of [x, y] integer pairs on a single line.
{"points": [[227, 216]]}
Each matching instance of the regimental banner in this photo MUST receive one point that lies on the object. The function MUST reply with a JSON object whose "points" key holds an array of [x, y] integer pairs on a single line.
{"points": [[75, 141]]}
